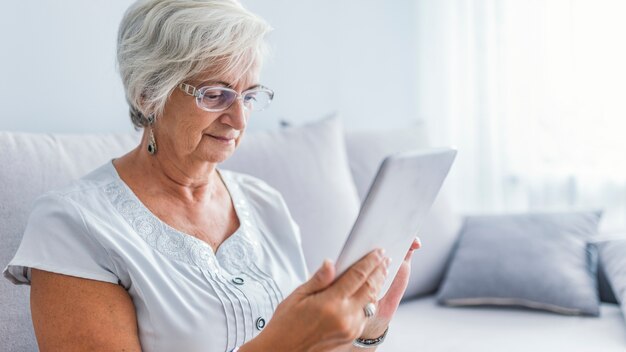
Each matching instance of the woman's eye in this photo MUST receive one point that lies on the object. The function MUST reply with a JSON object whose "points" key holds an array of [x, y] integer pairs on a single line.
{"points": [[213, 95]]}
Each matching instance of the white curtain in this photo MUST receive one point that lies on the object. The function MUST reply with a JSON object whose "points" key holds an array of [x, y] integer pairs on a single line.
{"points": [[533, 94]]}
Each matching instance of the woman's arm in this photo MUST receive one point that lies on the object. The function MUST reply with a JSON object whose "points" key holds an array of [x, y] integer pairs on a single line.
{"points": [[74, 314]]}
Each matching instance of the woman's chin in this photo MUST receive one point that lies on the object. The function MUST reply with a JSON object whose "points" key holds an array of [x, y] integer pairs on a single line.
{"points": [[217, 156], [216, 151]]}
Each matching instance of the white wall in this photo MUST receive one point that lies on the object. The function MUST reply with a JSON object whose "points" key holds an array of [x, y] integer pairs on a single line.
{"points": [[57, 64]]}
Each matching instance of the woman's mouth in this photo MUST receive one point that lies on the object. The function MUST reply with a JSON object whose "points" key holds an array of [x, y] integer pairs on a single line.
{"points": [[221, 139]]}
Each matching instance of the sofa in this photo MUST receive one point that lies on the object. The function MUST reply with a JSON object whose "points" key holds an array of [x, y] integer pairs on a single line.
{"points": [[323, 171]]}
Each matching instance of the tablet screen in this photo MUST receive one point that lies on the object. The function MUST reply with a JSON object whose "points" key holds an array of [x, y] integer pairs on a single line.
{"points": [[396, 205]]}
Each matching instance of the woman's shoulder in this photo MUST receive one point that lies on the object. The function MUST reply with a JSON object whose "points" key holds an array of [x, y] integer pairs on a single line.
{"points": [[59, 235], [84, 189]]}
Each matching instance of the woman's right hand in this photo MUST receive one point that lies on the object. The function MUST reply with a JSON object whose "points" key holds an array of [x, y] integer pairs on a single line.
{"points": [[322, 315]]}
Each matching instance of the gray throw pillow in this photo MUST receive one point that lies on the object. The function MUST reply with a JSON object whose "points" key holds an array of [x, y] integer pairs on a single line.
{"points": [[604, 287], [533, 260], [612, 254]]}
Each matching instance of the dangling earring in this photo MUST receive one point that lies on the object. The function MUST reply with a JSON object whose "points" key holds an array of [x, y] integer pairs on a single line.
{"points": [[152, 146]]}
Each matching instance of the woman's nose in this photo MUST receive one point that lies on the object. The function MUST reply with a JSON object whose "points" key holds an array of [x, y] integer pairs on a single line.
{"points": [[237, 115]]}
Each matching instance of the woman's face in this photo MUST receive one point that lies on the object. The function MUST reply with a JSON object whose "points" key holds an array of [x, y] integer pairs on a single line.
{"points": [[190, 135]]}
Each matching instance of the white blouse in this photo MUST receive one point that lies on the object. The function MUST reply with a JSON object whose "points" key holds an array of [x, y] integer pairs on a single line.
{"points": [[186, 297]]}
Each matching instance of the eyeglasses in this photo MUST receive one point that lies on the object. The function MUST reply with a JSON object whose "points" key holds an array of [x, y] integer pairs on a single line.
{"points": [[217, 98]]}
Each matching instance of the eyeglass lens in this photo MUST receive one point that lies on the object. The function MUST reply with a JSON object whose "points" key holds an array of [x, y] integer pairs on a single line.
{"points": [[217, 98]]}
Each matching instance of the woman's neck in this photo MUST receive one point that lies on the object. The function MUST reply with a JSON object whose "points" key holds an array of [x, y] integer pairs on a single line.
{"points": [[157, 174]]}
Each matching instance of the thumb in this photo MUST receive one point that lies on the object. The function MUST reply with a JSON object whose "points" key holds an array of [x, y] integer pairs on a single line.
{"points": [[320, 280]]}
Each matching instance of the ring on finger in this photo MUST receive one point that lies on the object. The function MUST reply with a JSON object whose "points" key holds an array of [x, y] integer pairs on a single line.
{"points": [[369, 310]]}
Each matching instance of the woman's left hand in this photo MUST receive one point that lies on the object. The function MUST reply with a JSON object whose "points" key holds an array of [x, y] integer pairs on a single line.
{"points": [[387, 306]]}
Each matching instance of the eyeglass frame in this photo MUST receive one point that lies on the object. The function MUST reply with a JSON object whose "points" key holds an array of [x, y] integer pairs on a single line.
{"points": [[195, 92]]}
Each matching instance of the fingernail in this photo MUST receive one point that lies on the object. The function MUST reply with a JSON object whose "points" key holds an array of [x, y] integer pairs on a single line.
{"points": [[328, 262], [418, 241], [387, 262]]}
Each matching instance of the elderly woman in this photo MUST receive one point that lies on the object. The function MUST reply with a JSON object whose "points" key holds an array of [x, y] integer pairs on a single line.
{"points": [[160, 250]]}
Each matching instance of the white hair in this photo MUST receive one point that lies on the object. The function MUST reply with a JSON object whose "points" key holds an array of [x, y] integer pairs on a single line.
{"points": [[162, 43]]}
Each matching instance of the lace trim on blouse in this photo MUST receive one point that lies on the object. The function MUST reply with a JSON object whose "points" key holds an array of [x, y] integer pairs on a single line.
{"points": [[237, 252]]}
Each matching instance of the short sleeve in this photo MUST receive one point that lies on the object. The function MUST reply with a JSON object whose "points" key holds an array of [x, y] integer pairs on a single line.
{"points": [[58, 240]]}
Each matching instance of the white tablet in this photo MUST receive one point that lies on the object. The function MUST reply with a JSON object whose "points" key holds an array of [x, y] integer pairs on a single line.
{"points": [[396, 205]]}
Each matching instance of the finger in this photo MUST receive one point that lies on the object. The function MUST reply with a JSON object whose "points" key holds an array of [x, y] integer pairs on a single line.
{"points": [[320, 280], [389, 303], [417, 244], [357, 274], [368, 293]]}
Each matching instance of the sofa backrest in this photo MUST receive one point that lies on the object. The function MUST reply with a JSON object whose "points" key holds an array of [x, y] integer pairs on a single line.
{"points": [[32, 164]]}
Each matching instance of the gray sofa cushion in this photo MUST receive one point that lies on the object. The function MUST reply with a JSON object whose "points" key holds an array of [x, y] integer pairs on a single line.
{"points": [[421, 325], [604, 287], [31, 165], [540, 261], [612, 254]]}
